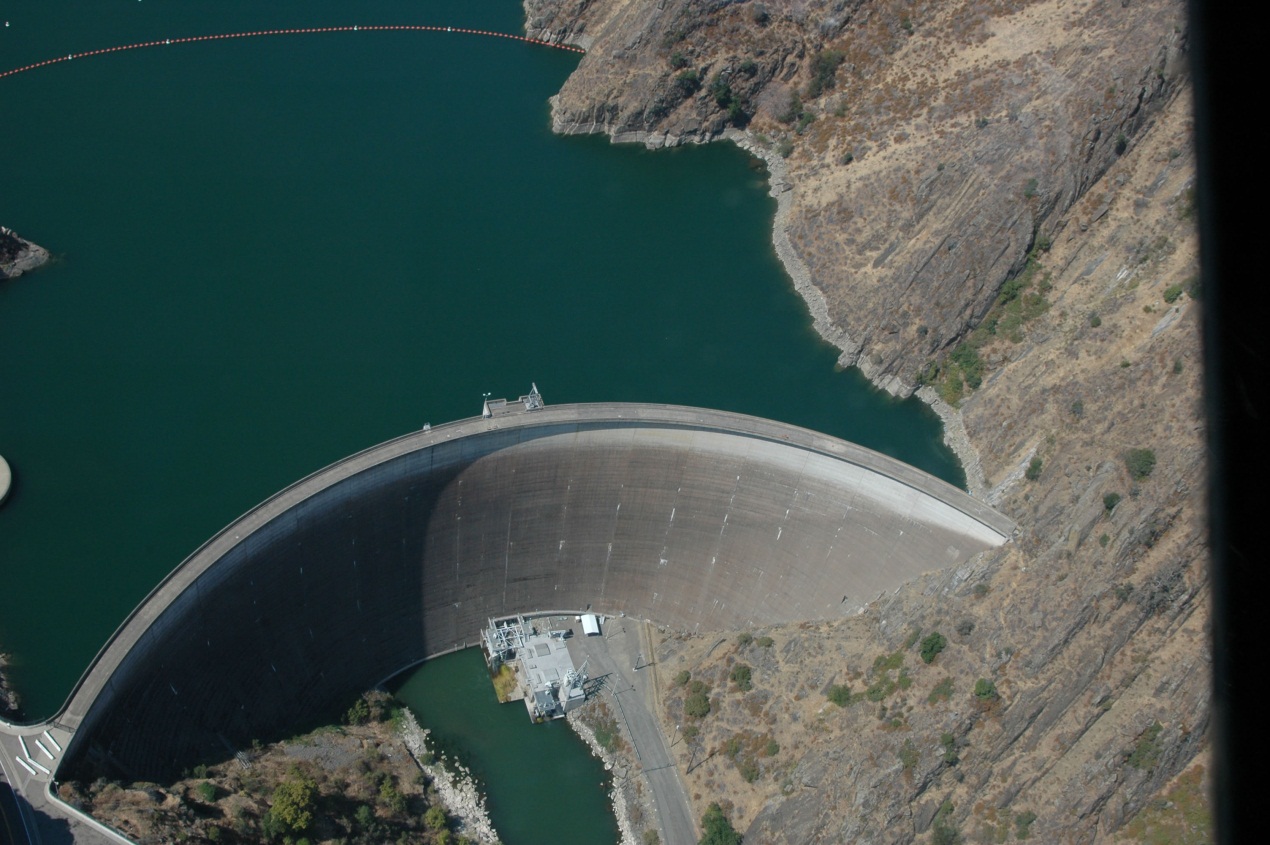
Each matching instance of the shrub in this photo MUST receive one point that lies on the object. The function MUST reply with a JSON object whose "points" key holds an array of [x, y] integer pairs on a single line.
{"points": [[358, 714], [1146, 754], [1033, 470], [840, 694], [1029, 190], [651, 837], [1140, 463], [687, 82], [683, 678], [678, 61], [721, 91], [944, 832], [908, 755], [966, 356], [792, 110], [1023, 824], [932, 645], [1094, 320], [207, 792], [986, 690], [748, 68], [1171, 293], [200, 771], [745, 638], [1109, 501], [740, 675], [1104, 539], [942, 691], [824, 69], [950, 749], [785, 148], [765, 642], [965, 627]]}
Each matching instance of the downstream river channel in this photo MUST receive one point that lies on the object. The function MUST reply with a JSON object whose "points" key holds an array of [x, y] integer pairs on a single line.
{"points": [[273, 252]]}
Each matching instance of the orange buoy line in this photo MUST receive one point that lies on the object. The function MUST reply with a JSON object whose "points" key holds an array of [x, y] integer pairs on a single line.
{"points": [[305, 31]]}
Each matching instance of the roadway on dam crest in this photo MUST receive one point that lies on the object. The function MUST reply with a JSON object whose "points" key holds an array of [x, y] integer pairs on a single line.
{"points": [[696, 519]]}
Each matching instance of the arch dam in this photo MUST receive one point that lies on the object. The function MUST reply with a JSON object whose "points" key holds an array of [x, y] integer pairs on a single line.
{"points": [[695, 519]]}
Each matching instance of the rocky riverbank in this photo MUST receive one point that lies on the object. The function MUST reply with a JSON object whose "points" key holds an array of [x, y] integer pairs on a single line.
{"points": [[18, 255], [628, 802], [10, 703], [453, 783]]}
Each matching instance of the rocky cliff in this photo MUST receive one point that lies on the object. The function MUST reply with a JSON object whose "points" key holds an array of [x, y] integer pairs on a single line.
{"points": [[18, 255], [991, 201]]}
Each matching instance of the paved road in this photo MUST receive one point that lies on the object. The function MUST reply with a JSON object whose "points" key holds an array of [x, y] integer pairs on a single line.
{"points": [[614, 657], [28, 815]]}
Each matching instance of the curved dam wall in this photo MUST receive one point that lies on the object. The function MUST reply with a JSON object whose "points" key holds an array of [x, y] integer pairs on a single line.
{"points": [[696, 519]]}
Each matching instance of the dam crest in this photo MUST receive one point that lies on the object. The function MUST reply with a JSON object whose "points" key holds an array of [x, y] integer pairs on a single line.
{"points": [[696, 519]]}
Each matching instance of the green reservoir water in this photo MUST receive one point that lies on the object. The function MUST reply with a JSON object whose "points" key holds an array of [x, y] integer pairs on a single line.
{"points": [[273, 252], [544, 786]]}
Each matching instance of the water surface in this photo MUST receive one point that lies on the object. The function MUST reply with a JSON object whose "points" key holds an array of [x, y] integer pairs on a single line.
{"points": [[274, 252]]}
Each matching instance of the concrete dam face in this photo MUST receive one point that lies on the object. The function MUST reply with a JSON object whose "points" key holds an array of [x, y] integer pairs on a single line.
{"points": [[697, 520]]}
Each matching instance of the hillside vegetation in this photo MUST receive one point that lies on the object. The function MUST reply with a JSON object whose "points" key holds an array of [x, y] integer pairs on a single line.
{"points": [[990, 203]]}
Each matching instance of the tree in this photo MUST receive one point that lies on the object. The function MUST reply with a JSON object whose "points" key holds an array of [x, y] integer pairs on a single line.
{"points": [[932, 645], [293, 802], [716, 829], [697, 705], [435, 817], [1140, 463]]}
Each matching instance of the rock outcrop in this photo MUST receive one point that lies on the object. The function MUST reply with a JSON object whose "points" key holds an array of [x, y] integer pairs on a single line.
{"points": [[994, 200], [10, 704], [18, 255]]}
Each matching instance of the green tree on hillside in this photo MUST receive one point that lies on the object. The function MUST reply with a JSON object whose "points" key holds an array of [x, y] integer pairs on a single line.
{"points": [[293, 802], [716, 829]]}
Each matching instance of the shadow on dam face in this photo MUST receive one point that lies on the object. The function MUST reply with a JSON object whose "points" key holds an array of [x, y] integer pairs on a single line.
{"points": [[698, 520]]}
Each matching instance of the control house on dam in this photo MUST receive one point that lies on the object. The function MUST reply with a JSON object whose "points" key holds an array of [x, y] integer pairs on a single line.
{"points": [[696, 519]]}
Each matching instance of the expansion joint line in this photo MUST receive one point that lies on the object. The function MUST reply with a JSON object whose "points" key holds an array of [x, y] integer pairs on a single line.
{"points": [[301, 31]]}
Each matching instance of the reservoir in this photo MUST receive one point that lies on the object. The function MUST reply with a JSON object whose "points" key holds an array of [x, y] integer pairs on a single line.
{"points": [[274, 252]]}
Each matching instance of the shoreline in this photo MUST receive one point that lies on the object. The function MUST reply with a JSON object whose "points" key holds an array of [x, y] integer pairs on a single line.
{"points": [[955, 436]]}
